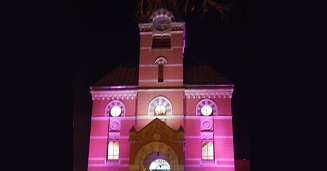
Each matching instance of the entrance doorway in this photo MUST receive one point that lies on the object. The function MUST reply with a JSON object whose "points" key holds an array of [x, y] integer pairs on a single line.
{"points": [[159, 165]]}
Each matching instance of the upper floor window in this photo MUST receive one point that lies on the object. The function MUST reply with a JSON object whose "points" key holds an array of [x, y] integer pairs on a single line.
{"points": [[206, 107], [115, 108], [160, 106], [206, 110], [161, 42], [160, 62]]}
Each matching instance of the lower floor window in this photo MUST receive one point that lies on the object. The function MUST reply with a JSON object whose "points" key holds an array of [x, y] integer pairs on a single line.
{"points": [[113, 151], [207, 150]]}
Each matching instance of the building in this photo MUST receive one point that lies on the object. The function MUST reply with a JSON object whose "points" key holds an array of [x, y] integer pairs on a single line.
{"points": [[162, 114]]}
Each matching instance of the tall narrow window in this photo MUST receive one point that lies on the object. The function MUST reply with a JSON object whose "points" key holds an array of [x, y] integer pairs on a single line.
{"points": [[207, 151], [113, 150], [160, 72]]}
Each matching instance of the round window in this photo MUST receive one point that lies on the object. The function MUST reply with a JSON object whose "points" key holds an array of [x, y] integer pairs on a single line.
{"points": [[206, 110], [115, 111]]}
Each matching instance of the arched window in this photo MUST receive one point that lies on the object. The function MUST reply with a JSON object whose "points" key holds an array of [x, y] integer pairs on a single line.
{"points": [[160, 62], [115, 108], [160, 106], [206, 107]]}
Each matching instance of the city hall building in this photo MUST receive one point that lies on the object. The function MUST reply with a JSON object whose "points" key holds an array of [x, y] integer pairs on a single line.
{"points": [[161, 114]]}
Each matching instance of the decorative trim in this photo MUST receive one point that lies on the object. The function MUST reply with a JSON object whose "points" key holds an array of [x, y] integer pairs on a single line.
{"points": [[170, 49], [166, 65], [206, 124], [114, 125], [98, 137], [166, 80], [114, 95], [161, 60], [216, 137], [113, 136], [225, 93], [207, 136], [174, 116]]}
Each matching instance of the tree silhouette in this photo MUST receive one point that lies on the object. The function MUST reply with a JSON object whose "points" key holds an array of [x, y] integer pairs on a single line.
{"points": [[181, 7]]}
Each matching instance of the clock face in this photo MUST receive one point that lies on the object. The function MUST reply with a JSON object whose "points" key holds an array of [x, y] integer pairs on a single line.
{"points": [[161, 24]]}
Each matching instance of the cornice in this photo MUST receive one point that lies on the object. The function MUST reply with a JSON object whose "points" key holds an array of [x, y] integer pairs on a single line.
{"points": [[189, 93], [114, 95], [207, 93], [148, 27]]}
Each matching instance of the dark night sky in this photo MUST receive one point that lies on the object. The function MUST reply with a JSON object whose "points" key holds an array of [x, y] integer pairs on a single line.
{"points": [[106, 35]]}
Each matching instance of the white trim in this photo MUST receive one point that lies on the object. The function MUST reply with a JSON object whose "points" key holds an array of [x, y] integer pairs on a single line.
{"points": [[225, 165], [100, 118], [216, 137], [224, 159], [180, 116], [108, 164], [124, 137], [158, 89], [97, 158], [217, 159], [98, 137], [208, 93], [222, 137], [113, 95], [168, 49], [209, 165], [156, 65], [166, 80]]}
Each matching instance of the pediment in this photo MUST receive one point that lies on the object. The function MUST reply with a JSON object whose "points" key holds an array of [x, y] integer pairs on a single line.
{"points": [[154, 126]]}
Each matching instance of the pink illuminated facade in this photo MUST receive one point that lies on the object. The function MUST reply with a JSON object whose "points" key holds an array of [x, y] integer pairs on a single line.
{"points": [[161, 114]]}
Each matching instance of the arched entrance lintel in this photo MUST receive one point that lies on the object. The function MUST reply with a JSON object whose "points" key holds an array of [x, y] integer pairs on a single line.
{"points": [[156, 147]]}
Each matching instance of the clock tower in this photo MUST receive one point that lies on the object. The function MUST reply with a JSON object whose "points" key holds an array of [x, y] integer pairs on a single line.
{"points": [[162, 115], [161, 51]]}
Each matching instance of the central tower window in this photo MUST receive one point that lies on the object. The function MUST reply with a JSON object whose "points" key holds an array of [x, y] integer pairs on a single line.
{"points": [[161, 42]]}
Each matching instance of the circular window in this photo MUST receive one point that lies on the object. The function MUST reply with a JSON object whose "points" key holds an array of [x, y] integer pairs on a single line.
{"points": [[206, 110], [115, 111], [160, 110]]}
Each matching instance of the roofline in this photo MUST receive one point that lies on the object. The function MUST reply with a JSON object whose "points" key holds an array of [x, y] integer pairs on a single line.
{"points": [[128, 87]]}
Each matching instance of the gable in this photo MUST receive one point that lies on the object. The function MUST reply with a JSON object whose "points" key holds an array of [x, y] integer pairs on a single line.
{"points": [[154, 126]]}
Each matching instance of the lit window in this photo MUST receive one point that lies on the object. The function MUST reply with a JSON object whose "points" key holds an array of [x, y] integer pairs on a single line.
{"points": [[160, 110], [207, 151], [115, 111], [113, 150], [206, 110]]}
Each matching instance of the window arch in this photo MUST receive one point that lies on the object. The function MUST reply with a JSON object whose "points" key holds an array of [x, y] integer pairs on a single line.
{"points": [[206, 107], [160, 62], [160, 106], [115, 108]]}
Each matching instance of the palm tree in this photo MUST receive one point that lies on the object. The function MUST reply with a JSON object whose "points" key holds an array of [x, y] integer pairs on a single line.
{"points": [[181, 7]]}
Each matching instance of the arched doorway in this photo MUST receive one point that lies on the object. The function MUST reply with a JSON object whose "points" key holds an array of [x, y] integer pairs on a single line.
{"points": [[157, 161], [159, 165], [156, 145]]}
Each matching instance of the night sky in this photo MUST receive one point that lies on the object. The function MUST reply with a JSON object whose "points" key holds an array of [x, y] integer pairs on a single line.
{"points": [[106, 35]]}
